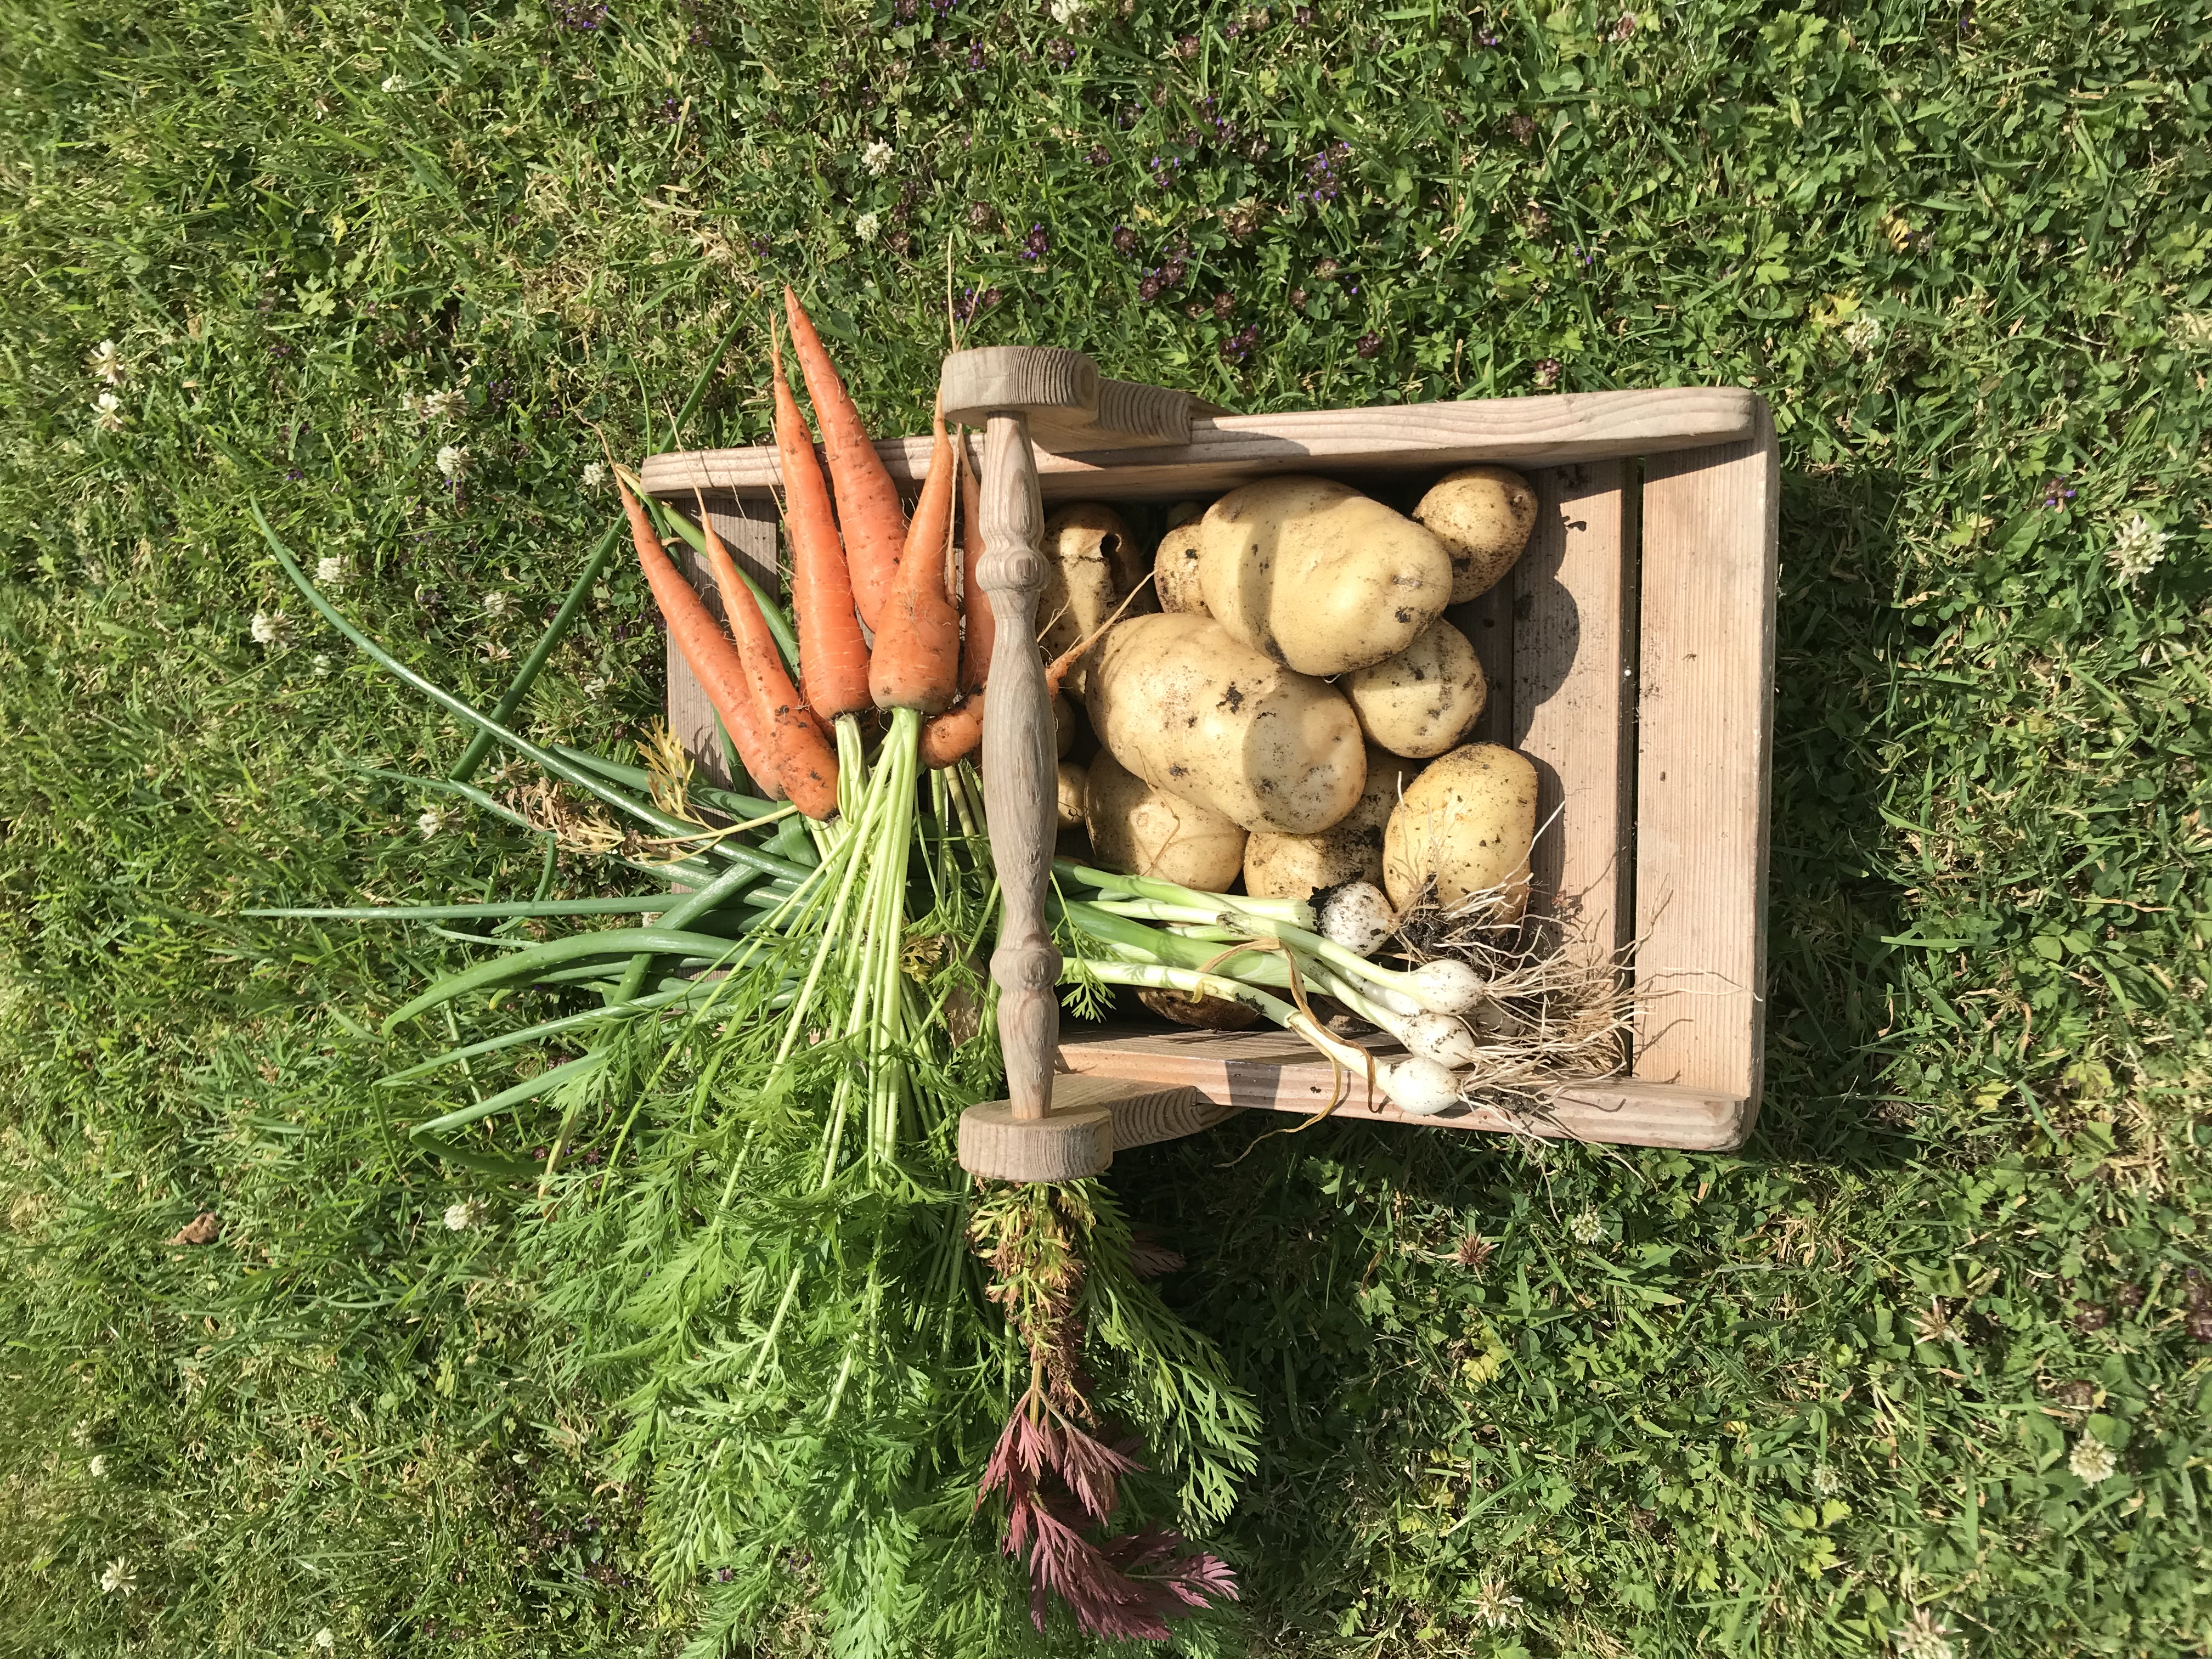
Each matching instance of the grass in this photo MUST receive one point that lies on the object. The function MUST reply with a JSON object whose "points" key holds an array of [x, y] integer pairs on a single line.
{"points": [[1828, 1395]]}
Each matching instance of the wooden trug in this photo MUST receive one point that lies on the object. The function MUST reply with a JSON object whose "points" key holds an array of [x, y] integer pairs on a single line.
{"points": [[1630, 655]]}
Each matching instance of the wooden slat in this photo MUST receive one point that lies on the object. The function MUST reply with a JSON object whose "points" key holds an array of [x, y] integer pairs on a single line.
{"points": [[1227, 450], [1574, 693], [1704, 757], [1259, 1073], [747, 529], [1487, 622]]}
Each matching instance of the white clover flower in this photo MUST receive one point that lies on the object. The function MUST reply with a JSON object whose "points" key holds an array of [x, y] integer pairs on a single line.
{"points": [[443, 405], [409, 404], [322, 662], [453, 460], [866, 225], [323, 1639], [433, 819], [1827, 1483], [877, 158], [595, 476], [1924, 1637], [1863, 333], [333, 570], [461, 1217], [104, 362], [1587, 1228], [268, 628], [1064, 12], [1494, 1604], [2093, 1460], [2138, 547], [498, 603], [394, 82], [118, 1578], [99, 1467], [107, 412]]}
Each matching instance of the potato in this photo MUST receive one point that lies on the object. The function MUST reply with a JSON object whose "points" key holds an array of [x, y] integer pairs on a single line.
{"points": [[1183, 513], [1174, 571], [1318, 576], [1296, 866], [1483, 515], [1469, 821], [1143, 831], [1092, 564], [1074, 782], [1206, 1013], [1188, 709], [1422, 700]]}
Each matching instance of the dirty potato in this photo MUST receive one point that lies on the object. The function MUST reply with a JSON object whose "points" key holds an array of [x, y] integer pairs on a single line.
{"points": [[1297, 867], [1182, 705], [1483, 515], [1144, 831], [1468, 822], [1317, 575], [1421, 701]]}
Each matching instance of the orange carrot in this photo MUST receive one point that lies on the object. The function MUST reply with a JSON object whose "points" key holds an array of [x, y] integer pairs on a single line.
{"points": [[833, 659], [868, 502], [805, 765], [974, 603], [712, 660], [953, 736], [916, 662]]}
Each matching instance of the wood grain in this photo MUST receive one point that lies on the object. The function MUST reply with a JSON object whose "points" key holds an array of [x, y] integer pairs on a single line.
{"points": [[1223, 451], [1256, 1072], [1072, 1140], [1487, 622], [1574, 692], [1020, 766], [1704, 762], [748, 530]]}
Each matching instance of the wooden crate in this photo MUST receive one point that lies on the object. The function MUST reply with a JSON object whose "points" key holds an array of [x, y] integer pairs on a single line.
{"points": [[1630, 655]]}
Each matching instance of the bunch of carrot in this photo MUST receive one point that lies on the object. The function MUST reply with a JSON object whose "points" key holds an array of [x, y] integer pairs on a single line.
{"points": [[877, 631], [856, 561]]}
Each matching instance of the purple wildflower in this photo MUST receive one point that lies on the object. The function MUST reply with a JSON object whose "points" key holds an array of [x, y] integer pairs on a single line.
{"points": [[1547, 372], [1100, 156], [1124, 241], [1239, 346], [1370, 343], [1037, 244]]}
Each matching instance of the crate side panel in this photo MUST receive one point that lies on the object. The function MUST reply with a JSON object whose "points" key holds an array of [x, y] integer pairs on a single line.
{"points": [[1487, 622], [1573, 687], [1229, 450], [1704, 754]]}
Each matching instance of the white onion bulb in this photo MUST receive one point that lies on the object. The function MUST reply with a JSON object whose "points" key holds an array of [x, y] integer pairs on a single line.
{"points": [[1446, 986], [1356, 916], [1439, 1037], [1420, 1086]]}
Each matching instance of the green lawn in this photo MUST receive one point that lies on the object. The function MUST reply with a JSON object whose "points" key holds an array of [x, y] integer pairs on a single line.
{"points": [[1833, 1395]]}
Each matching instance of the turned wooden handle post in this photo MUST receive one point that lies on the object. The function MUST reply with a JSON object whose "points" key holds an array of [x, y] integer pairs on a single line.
{"points": [[1019, 771]]}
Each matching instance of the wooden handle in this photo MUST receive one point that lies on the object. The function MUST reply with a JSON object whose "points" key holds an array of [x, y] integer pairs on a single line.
{"points": [[1019, 768]]}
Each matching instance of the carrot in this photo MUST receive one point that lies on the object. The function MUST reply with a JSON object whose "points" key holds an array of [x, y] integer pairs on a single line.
{"points": [[953, 736], [805, 765], [868, 502], [916, 662], [833, 659], [974, 603], [712, 660]]}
